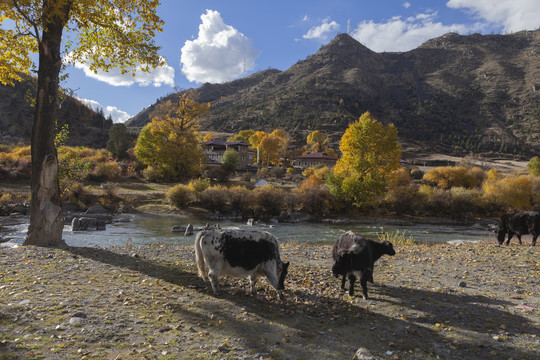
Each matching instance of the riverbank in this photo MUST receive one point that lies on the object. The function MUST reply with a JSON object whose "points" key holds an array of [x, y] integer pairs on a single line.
{"points": [[469, 301]]}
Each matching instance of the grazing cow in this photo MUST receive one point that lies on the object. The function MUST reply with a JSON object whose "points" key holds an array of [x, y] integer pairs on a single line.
{"points": [[240, 253], [355, 255], [519, 223]]}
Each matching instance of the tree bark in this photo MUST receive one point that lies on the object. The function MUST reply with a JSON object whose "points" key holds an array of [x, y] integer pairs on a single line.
{"points": [[46, 218]]}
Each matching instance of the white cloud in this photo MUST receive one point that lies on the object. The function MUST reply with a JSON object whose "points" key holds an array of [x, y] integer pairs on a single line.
{"points": [[513, 15], [163, 75], [322, 31], [399, 34], [406, 5], [116, 114], [220, 53]]}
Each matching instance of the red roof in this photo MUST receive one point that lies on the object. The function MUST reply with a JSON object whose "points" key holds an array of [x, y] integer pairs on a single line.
{"points": [[317, 155]]}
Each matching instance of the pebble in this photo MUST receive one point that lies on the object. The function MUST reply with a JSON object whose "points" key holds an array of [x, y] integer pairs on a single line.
{"points": [[462, 284], [75, 320], [363, 354]]}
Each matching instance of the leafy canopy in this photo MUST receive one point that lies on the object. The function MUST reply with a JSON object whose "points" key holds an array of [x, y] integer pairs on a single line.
{"points": [[534, 166], [370, 154], [104, 34], [170, 142]]}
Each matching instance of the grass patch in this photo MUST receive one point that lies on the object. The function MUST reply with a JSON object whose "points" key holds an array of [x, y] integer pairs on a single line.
{"points": [[397, 237]]}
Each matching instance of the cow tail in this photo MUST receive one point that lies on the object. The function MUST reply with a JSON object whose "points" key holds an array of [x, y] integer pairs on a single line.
{"points": [[199, 257]]}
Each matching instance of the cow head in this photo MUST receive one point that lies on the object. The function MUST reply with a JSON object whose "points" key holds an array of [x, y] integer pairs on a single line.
{"points": [[501, 234], [342, 264], [388, 248], [282, 274]]}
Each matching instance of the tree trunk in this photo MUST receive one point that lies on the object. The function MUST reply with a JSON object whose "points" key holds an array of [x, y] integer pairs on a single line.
{"points": [[46, 218]]}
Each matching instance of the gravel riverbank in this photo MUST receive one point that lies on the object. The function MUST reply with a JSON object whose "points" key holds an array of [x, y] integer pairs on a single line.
{"points": [[468, 301]]}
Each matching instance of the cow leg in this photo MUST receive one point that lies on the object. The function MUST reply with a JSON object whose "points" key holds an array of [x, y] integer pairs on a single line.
{"points": [[343, 279], [252, 281], [352, 280], [510, 235], [519, 238], [366, 275], [213, 276], [534, 239]]}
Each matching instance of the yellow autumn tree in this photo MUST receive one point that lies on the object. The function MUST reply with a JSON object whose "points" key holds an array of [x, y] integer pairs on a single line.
{"points": [[104, 35], [274, 147], [243, 135], [318, 142], [512, 192], [170, 142], [208, 137], [370, 154]]}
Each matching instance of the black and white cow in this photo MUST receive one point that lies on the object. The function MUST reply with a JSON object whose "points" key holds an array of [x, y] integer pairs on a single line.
{"points": [[240, 253], [519, 223], [355, 255]]}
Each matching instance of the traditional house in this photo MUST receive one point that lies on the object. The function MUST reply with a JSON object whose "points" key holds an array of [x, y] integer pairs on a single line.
{"points": [[215, 148], [314, 159]]}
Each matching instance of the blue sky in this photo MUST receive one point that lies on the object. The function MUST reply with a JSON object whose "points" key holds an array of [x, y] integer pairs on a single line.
{"points": [[219, 41]]}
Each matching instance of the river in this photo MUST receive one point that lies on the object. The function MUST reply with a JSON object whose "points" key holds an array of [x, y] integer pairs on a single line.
{"points": [[141, 230]]}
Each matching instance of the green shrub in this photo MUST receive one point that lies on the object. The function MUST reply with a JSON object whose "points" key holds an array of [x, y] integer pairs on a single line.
{"points": [[269, 200], [450, 176], [215, 198], [179, 196], [402, 199], [199, 185], [263, 173], [313, 197], [109, 170], [416, 174], [241, 200], [534, 166], [153, 174], [246, 177], [464, 202]]}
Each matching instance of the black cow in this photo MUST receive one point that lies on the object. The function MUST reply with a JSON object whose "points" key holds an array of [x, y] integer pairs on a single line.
{"points": [[355, 255], [519, 223], [240, 253]]}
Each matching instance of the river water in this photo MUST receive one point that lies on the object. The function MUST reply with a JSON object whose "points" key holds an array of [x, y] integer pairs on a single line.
{"points": [[141, 230]]}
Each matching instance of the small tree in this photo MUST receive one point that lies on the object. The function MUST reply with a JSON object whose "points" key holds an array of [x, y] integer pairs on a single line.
{"points": [[534, 166], [120, 140], [371, 153], [170, 143], [230, 159]]}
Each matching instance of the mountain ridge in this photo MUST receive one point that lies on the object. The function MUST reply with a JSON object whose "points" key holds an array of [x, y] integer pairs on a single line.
{"points": [[452, 93]]}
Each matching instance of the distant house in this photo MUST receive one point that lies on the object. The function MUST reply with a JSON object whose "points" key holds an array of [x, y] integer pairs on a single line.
{"points": [[215, 148], [314, 159]]}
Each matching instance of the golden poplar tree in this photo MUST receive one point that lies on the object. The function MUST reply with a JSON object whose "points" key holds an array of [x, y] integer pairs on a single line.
{"points": [[170, 142], [370, 154], [103, 34]]}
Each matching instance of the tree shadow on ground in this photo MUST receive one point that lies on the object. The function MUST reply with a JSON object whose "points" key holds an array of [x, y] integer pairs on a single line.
{"points": [[310, 322]]}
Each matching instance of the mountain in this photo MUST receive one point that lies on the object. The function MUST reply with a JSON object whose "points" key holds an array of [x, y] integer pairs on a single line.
{"points": [[86, 127], [453, 93]]}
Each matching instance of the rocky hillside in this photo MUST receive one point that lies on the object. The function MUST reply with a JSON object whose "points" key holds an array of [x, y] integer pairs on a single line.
{"points": [[475, 93], [86, 127]]}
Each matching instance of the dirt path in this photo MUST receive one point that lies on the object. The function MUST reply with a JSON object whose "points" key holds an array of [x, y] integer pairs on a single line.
{"points": [[147, 303]]}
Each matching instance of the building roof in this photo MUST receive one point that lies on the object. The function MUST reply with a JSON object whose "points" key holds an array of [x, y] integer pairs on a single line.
{"points": [[317, 155], [221, 142]]}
